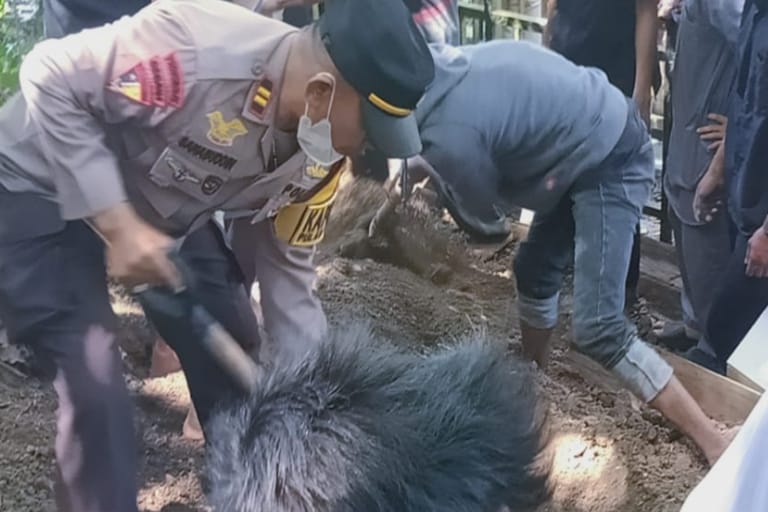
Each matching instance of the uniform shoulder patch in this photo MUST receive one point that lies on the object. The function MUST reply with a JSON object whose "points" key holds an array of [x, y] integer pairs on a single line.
{"points": [[157, 82]]}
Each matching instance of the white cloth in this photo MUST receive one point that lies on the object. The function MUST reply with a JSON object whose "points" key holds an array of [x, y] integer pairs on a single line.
{"points": [[738, 482]]}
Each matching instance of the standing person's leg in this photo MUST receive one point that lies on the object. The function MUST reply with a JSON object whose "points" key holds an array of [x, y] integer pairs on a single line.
{"points": [[738, 302], [633, 276], [54, 298], [607, 207], [221, 289], [704, 254], [681, 335], [539, 266]]}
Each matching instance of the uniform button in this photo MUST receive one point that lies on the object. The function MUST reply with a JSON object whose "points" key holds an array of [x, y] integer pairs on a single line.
{"points": [[256, 69]]}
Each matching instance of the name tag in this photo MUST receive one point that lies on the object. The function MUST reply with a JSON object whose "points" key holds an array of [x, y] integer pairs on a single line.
{"points": [[303, 224]]}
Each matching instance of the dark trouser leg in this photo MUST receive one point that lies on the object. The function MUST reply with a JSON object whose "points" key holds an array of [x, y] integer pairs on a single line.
{"points": [[540, 265], [221, 290], [703, 253], [633, 276], [739, 301], [53, 297]]}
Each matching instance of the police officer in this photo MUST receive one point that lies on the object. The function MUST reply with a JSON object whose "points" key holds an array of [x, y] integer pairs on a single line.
{"points": [[142, 129], [558, 139], [63, 17]]}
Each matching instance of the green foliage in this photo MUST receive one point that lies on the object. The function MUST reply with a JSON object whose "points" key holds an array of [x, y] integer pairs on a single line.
{"points": [[21, 27]]}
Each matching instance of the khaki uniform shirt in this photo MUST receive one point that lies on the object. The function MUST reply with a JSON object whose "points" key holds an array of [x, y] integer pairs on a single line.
{"points": [[173, 110]]}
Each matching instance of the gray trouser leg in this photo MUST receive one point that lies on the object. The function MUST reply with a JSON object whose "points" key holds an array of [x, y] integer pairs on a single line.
{"points": [[703, 253], [53, 297]]}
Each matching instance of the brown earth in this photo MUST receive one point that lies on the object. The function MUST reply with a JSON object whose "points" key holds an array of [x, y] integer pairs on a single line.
{"points": [[419, 284]]}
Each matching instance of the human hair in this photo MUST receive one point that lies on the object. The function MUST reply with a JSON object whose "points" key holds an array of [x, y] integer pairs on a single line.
{"points": [[360, 425]]}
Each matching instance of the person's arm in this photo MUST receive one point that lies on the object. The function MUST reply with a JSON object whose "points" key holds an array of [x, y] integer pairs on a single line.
{"points": [[459, 160], [708, 199], [646, 33], [547, 35], [137, 70], [282, 251]]}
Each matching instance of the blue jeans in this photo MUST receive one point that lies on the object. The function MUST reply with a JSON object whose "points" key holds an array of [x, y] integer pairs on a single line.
{"points": [[593, 226]]}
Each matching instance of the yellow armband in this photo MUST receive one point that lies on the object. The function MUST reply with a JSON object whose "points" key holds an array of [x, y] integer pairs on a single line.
{"points": [[303, 224]]}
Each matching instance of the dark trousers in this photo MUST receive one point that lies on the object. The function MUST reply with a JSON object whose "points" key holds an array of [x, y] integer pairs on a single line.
{"points": [[633, 276], [702, 252], [739, 301], [54, 298]]}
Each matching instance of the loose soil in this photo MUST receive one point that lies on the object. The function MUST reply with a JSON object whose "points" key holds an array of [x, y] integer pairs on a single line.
{"points": [[419, 284]]}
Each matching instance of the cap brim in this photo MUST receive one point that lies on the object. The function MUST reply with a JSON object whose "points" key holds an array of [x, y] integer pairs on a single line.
{"points": [[395, 137]]}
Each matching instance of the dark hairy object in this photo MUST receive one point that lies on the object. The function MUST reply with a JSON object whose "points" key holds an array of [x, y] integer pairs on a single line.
{"points": [[363, 426]]}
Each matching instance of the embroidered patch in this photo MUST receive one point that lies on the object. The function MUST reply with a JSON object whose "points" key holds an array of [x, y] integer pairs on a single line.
{"points": [[211, 185], [261, 97], [206, 155], [157, 82], [224, 133]]}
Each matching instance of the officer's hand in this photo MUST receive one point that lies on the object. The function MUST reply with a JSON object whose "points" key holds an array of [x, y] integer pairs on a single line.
{"points": [[757, 254], [137, 253]]}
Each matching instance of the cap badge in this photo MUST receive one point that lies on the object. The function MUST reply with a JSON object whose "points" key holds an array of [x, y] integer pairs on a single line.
{"points": [[316, 171]]}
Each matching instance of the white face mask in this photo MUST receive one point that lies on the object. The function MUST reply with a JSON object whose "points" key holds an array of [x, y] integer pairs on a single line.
{"points": [[315, 139]]}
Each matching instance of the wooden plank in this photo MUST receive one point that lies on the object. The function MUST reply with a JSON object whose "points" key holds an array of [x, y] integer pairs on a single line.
{"points": [[652, 248], [720, 397], [750, 359], [739, 377], [660, 269], [10, 376], [592, 372], [662, 296]]}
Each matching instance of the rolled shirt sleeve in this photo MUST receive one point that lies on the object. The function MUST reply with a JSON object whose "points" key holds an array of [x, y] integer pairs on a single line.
{"points": [[293, 314]]}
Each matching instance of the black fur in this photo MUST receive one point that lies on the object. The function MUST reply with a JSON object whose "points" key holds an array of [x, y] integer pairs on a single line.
{"points": [[364, 427]]}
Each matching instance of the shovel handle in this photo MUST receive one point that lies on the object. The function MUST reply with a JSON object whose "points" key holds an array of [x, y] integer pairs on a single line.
{"points": [[228, 353], [217, 340]]}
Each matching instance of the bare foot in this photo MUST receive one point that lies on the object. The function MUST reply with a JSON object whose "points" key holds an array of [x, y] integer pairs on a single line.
{"points": [[164, 360], [192, 429], [727, 434]]}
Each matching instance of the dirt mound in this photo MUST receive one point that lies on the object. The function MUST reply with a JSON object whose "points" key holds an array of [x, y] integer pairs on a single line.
{"points": [[418, 284]]}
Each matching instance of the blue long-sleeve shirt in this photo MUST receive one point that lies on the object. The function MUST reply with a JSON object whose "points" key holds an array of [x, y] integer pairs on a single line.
{"points": [[746, 147]]}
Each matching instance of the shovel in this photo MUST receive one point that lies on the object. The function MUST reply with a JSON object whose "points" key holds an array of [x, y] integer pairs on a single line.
{"points": [[182, 306]]}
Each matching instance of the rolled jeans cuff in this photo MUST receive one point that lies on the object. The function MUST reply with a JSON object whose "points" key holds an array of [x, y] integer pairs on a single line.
{"points": [[643, 371], [538, 313]]}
